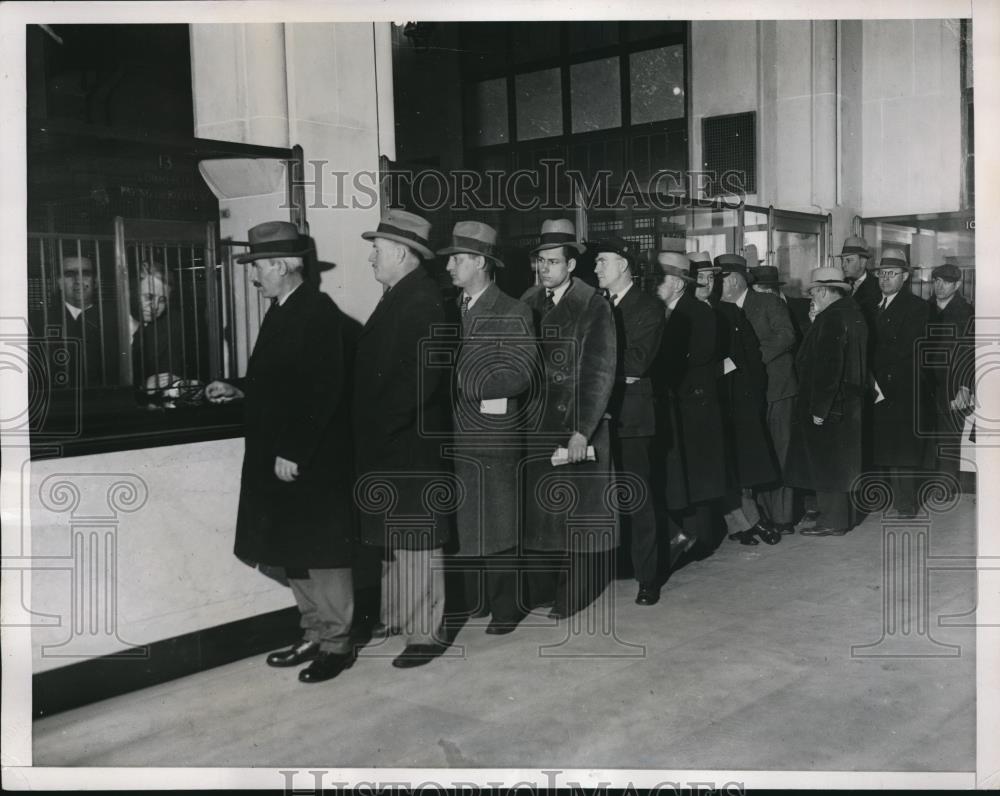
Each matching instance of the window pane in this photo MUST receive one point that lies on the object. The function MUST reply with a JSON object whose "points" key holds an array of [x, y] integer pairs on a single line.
{"points": [[657, 84], [595, 95], [490, 112], [539, 104]]}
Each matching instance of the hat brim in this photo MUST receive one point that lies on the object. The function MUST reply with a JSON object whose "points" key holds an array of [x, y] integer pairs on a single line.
{"points": [[715, 269], [418, 247], [459, 250], [249, 258], [844, 285], [580, 248]]}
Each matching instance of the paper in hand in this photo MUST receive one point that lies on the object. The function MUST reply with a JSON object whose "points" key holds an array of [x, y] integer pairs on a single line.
{"points": [[879, 397], [493, 406], [728, 366], [561, 456]]}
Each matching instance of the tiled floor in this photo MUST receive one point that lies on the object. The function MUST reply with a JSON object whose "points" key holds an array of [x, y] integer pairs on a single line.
{"points": [[746, 663]]}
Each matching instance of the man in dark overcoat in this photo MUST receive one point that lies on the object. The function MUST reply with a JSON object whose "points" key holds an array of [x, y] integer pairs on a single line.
{"points": [[824, 453], [496, 360], [689, 450], [744, 395], [639, 326], [948, 360], [570, 506], [400, 417], [296, 506], [772, 323], [901, 322]]}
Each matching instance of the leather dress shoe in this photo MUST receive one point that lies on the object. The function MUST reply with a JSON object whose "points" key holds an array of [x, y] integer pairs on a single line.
{"points": [[648, 595], [744, 537], [767, 534], [498, 628], [326, 666], [298, 653], [417, 655]]}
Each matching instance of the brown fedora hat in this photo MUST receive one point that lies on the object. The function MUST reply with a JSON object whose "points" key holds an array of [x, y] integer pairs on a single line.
{"points": [[854, 245], [406, 228], [274, 239], [558, 232], [674, 264], [474, 237]]}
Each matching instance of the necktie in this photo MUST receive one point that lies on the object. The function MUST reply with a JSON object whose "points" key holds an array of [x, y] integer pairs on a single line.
{"points": [[549, 303], [882, 306], [613, 298], [465, 304]]}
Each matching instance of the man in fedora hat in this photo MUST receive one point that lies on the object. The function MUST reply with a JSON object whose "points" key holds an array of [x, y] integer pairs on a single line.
{"points": [[400, 411], [744, 407], [639, 324], [689, 451], [495, 363], [577, 333], [825, 449], [772, 324], [765, 279], [951, 370], [854, 258], [706, 274], [900, 322], [296, 496]]}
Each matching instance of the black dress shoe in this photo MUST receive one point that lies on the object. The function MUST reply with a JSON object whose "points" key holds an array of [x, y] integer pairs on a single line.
{"points": [[498, 628], [299, 653], [417, 655], [744, 537], [326, 666], [767, 534], [648, 595]]}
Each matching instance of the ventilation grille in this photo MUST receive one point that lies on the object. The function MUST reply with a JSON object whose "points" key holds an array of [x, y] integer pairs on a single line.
{"points": [[729, 144]]}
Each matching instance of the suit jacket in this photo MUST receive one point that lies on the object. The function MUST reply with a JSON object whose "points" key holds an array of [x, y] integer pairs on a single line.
{"points": [[772, 323], [497, 358], [401, 417], [578, 350], [832, 368], [639, 322], [689, 451], [91, 357], [951, 333], [168, 345], [898, 329], [296, 407]]}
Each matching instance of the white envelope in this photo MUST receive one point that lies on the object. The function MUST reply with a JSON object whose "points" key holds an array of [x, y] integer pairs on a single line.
{"points": [[493, 406], [728, 366]]}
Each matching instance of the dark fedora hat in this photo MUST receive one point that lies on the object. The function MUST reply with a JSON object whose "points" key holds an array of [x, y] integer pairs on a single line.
{"points": [[474, 237], [406, 228], [732, 264], [947, 272], [618, 246], [765, 275], [558, 232], [854, 245], [274, 239]]}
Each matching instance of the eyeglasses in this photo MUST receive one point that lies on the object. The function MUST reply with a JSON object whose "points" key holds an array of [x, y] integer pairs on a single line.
{"points": [[888, 273]]}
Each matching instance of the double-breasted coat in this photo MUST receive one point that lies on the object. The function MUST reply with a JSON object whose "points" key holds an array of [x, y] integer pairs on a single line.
{"points": [[639, 325], [572, 506], [832, 370], [744, 401], [896, 440], [405, 491], [689, 445], [950, 336], [297, 407], [497, 359]]}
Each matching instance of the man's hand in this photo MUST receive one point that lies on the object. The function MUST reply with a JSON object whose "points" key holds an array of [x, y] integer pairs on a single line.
{"points": [[219, 392], [577, 448], [817, 420], [285, 470]]}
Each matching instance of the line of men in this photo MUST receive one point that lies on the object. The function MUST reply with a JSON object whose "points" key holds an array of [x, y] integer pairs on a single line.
{"points": [[541, 423]]}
